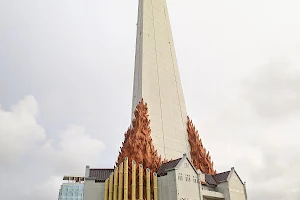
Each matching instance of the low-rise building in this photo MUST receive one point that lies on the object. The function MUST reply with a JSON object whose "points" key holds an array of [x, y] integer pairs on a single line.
{"points": [[95, 182], [72, 188], [177, 180]]}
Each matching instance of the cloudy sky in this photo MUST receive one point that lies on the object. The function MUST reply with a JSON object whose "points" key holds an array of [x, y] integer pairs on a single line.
{"points": [[66, 76]]}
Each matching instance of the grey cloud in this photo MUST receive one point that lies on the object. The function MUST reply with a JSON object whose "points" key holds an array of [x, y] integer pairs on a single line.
{"points": [[257, 132], [281, 167], [275, 90]]}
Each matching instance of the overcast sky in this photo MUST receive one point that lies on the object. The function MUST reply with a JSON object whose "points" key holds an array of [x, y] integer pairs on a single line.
{"points": [[66, 76]]}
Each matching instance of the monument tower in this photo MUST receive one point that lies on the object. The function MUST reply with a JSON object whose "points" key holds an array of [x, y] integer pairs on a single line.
{"points": [[157, 80], [162, 156], [160, 128]]}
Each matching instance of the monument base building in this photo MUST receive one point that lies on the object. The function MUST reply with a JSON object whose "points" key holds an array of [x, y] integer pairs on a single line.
{"points": [[162, 156], [176, 180]]}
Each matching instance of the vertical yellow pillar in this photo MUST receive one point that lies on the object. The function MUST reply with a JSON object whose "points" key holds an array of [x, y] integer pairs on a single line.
{"points": [[120, 195], [155, 186], [148, 183], [106, 190], [115, 184], [141, 182], [126, 179], [133, 180], [110, 187]]}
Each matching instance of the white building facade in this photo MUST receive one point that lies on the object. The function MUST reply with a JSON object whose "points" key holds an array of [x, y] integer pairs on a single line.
{"points": [[95, 182], [181, 181], [177, 180]]}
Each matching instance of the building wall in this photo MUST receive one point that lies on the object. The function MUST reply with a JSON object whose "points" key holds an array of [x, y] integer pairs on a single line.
{"points": [[208, 195], [187, 182], [167, 189], [71, 191], [157, 80], [93, 190], [223, 188], [236, 188], [204, 187]]}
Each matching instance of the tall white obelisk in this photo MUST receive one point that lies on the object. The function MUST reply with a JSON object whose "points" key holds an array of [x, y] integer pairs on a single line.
{"points": [[156, 79]]}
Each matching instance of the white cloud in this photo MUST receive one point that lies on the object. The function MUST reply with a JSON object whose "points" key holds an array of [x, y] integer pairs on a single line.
{"points": [[44, 190], [74, 150], [19, 130], [37, 159]]}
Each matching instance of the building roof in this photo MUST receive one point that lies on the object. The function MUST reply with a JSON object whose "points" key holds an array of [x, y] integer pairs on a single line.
{"points": [[216, 178], [174, 164], [221, 177], [167, 166], [100, 174], [209, 179]]}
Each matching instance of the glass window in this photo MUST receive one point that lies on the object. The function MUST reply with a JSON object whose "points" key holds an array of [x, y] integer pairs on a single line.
{"points": [[187, 178], [195, 179], [180, 176]]}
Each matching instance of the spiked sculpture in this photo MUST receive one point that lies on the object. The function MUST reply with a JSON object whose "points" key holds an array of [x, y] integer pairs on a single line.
{"points": [[201, 160], [138, 145]]}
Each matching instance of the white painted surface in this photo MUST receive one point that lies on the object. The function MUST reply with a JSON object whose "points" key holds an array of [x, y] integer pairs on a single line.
{"points": [[180, 183], [212, 195], [236, 187], [93, 190], [157, 80], [87, 171], [223, 188], [167, 188], [183, 183], [188, 186]]}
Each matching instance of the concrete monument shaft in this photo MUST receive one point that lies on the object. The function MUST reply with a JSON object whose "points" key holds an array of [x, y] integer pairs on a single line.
{"points": [[157, 80]]}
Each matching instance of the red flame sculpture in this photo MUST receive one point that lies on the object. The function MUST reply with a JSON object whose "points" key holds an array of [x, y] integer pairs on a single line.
{"points": [[201, 160]]}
